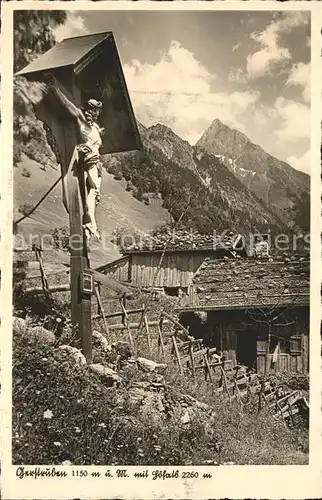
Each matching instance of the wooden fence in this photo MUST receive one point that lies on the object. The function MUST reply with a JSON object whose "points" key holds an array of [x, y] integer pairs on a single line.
{"points": [[190, 354]]}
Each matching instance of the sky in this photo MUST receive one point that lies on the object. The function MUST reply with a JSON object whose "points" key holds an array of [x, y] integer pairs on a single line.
{"points": [[184, 69]]}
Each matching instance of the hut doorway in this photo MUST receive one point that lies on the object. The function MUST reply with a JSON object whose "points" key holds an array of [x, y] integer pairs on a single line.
{"points": [[246, 353]]}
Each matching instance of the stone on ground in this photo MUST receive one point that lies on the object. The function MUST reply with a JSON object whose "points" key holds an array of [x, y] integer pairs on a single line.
{"points": [[18, 325], [148, 365], [100, 341], [74, 354], [42, 335], [107, 374]]}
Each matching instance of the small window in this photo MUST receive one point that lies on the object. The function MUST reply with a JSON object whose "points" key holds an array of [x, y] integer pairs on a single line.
{"points": [[296, 345], [284, 346], [261, 344]]}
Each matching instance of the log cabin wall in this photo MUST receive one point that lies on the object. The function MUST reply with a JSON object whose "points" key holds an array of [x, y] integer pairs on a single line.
{"points": [[293, 342], [230, 331], [176, 270], [120, 269]]}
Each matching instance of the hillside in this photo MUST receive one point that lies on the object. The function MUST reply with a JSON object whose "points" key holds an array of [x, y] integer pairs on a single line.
{"points": [[283, 189], [133, 411], [118, 208]]}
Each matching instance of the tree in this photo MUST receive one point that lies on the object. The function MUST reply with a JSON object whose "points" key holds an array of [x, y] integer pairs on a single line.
{"points": [[33, 35], [61, 238], [26, 208], [302, 215], [272, 317]]}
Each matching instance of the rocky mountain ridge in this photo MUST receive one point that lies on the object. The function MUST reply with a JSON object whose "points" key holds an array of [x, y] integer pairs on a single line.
{"points": [[282, 188], [207, 183], [192, 182]]}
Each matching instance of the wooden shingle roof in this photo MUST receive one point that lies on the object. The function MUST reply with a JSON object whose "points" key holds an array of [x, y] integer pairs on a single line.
{"points": [[183, 241], [223, 284]]}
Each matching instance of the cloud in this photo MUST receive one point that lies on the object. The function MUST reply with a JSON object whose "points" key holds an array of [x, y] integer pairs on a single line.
{"points": [[302, 163], [236, 47], [169, 74], [293, 119], [300, 76], [272, 53], [262, 61], [178, 92], [126, 42], [74, 26], [263, 115], [237, 75]]}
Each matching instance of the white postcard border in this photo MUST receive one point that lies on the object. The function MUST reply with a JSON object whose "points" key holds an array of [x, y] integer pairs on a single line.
{"points": [[289, 482]]}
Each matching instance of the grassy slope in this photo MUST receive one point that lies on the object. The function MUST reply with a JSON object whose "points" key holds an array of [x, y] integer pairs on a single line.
{"points": [[118, 208], [94, 424]]}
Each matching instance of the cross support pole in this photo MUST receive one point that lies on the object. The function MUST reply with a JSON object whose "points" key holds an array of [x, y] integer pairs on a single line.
{"points": [[65, 132]]}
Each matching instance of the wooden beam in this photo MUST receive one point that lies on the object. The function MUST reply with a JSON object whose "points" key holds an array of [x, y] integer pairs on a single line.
{"points": [[160, 341], [176, 351], [146, 324], [188, 343], [100, 308], [133, 326], [175, 322], [119, 313], [192, 361], [43, 276], [38, 290], [128, 327]]}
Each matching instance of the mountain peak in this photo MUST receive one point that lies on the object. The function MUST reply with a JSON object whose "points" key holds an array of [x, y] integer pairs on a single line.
{"points": [[161, 128], [160, 131], [256, 169], [142, 129], [217, 123], [219, 138], [218, 127]]}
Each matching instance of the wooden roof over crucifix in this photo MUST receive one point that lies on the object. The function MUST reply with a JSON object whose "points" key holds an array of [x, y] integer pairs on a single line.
{"points": [[69, 52], [89, 67]]}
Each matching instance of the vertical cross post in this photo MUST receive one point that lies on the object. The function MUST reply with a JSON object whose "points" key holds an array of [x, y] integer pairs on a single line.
{"points": [[65, 133]]}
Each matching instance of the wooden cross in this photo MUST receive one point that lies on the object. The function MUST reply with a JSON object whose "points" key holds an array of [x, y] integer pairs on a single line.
{"points": [[64, 130], [82, 68]]}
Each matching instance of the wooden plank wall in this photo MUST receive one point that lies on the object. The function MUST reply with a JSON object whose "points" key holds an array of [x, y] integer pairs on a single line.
{"points": [[177, 269], [285, 362], [224, 338], [119, 271]]}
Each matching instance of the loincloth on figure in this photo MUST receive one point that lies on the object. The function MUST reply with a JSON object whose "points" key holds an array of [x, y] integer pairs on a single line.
{"points": [[88, 160]]}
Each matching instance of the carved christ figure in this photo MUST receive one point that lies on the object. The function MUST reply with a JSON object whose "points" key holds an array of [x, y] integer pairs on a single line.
{"points": [[89, 135]]}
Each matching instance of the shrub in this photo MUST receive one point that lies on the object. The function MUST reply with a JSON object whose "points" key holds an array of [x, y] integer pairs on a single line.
{"points": [[25, 208], [293, 381], [129, 186], [17, 150], [61, 238], [137, 193], [25, 172], [41, 308], [125, 239]]}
